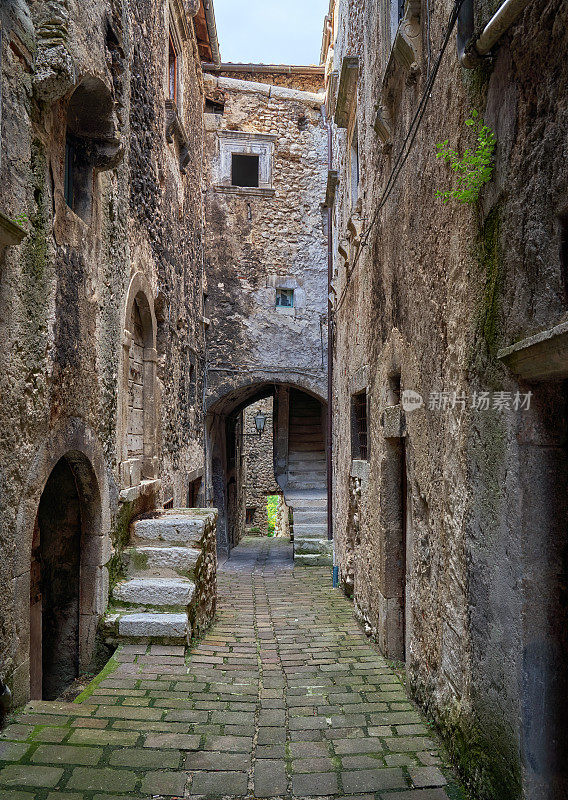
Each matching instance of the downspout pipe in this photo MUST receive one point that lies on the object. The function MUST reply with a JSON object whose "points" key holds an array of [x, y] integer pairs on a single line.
{"points": [[470, 52], [212, 30], [329, 455]]}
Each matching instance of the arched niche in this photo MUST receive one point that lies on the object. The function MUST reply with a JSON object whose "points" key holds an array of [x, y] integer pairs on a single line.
{"points": [[66, 486], [92, 143], [137, 430]]}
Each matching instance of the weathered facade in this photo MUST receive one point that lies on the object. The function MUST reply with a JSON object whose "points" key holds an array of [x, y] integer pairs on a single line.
{"points": [[101, 307], [266, 306], [450, 513]]}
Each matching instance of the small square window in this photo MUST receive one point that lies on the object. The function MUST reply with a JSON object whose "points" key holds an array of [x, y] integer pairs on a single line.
{"points": [[245, 170], [284, 298]]}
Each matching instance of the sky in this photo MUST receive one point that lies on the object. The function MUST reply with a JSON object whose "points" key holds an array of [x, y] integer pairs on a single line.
{"points": [[270, 31]]}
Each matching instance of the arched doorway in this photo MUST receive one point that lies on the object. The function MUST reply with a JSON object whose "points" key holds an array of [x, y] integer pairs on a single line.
{"points": [[139, 386], [55, 586]]}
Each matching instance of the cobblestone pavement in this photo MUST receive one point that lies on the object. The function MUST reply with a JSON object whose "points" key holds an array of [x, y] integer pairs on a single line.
{"points": [[283, 698]]}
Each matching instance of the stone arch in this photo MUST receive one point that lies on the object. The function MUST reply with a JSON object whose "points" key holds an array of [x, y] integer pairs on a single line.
{"points": [[138, 417], [75, 443], [225, 402]]}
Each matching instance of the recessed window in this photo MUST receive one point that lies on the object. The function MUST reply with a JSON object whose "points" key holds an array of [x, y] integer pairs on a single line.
{"points": [[245, 170], [214, 106], [284, 298], [172, 70], [250, 516], [359, 432], [78, 178]]}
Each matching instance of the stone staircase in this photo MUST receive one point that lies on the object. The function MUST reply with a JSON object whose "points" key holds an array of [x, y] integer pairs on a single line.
{"points": [[169, 592], [306, 487]]}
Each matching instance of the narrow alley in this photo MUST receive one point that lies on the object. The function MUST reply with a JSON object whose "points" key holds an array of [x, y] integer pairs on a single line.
{"points": [[283, 697]]}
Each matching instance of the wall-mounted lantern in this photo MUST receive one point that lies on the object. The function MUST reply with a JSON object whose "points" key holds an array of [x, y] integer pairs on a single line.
{"points": [[259, 422]]}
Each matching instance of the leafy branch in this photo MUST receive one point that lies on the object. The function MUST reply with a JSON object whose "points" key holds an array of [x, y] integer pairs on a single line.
{"points": [[474, 168]]}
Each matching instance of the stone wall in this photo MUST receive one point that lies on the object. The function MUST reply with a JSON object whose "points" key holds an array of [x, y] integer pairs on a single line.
{"points": [[259, 465], [89, 81], [446, 533]]}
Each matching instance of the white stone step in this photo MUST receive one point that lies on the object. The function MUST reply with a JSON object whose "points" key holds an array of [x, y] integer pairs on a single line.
{"points": [[156, 592], [310, 531], [179, 530], [310, 517], [308, 467], [312, 546], [313, 560], [166, 561], [305, 483], [153, 625]]}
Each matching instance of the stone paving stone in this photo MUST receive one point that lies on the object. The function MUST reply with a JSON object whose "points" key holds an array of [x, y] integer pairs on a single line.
{"points": [[102, 779], [319, 783], [145, 759], [219, 784], [211, 760], [51, 734], [313, 764], [164, 782], [365, 780], [270, 778], [13, 751], [28, 775], [417, 794], [12, 794], [177, 741], [65, 754], [104, 737], [426, 776]]}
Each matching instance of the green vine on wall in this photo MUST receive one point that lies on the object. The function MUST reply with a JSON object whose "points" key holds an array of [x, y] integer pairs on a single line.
{"points": [[474, 168]]}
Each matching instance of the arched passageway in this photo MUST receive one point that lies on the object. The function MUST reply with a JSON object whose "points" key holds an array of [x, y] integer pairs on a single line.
{"points": [[298, 439]]}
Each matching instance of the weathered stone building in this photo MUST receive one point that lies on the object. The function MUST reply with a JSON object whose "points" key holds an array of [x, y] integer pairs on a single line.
{"points": [[451, 512], [266, 301], [101, 306]]}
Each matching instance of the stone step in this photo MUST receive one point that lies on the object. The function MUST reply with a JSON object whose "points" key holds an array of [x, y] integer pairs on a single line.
{"points": [[155, 626], [298, 502], [159, 561], [309, 455], [173, 529], [310, 517], [155, 592], [304, 546], [313, 560], [306, 483], [307, 466], [310, 531]]}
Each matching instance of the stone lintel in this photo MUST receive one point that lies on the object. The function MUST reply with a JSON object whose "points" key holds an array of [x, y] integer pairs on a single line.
{"points": [[247, 191], [347, 91], [541, 357]]}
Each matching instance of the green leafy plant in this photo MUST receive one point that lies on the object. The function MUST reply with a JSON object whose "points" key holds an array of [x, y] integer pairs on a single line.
{"points": [[272, 511], [22, 220], [474, 168]]}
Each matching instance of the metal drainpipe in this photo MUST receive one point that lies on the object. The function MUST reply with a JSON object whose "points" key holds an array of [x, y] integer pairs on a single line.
{"points": [[470, 52], [212, 30], [329, 343]]}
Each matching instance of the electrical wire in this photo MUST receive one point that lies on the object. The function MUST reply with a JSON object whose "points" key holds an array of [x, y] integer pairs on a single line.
{"points": [[406, 147]]}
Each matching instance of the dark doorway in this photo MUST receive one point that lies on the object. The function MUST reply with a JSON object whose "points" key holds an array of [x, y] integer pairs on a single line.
{"points": [[193, 493], [55, 585], [544, 449]]}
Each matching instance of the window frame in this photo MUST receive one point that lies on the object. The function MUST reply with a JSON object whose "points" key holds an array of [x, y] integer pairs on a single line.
{"points": [[250, 157], [360, 450], [283, 291]]}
